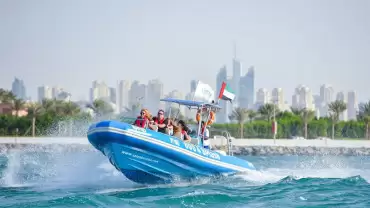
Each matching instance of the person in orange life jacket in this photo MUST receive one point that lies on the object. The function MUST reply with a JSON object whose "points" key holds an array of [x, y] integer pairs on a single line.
{"points": [[142, 120], [204, 133], [161, 122]]}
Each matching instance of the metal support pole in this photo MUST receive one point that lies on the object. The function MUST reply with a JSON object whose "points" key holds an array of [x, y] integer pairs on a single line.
{"points": [[274, 125]]}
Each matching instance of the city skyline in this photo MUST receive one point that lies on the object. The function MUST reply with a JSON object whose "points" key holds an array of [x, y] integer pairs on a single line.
{"points": [[54, 90], [127, 94], [288, 43]]}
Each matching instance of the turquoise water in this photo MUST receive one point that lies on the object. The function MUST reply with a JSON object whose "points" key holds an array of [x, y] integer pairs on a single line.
{"points": [[56, 178]]}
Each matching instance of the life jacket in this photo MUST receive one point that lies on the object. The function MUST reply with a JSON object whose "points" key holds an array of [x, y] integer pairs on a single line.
{"points": [[156, 120], [183, 133], [140, 122]]}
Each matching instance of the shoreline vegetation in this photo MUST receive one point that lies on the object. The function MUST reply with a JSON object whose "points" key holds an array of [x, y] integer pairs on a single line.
{"points": [[64, 118]]}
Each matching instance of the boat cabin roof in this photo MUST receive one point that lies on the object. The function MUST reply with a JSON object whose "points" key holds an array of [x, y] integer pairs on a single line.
{"points": [[191, 103]]}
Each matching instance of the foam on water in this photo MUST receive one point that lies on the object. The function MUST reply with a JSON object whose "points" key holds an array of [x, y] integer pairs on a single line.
{"points": [[58, 170], [64, 175]]}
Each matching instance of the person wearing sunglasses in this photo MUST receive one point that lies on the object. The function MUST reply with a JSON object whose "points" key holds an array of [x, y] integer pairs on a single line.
{"points": [[142, 120], [161, 122]]}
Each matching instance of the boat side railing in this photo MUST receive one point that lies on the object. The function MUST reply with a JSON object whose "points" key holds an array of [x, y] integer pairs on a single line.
{"points": [[227, 136]]}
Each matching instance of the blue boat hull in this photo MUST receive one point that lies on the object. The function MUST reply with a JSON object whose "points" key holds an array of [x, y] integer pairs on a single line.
{"points": [[148, 157]]}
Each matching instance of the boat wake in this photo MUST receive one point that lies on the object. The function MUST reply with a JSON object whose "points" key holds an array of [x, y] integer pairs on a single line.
{"points": [[77, 175], [43, 169]]}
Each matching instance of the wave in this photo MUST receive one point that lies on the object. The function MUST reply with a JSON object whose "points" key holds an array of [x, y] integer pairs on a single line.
{"points": [[87, 178]]}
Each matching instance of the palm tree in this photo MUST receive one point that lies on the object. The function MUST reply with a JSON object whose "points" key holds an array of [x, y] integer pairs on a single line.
{"points": [[18, 105], [267, 111], [70, 109], [306, 116], [240, 115], [6, 96], [365, 116], [296, 111], [336, 108], [35, 110], [251, 115], [100, 108]]}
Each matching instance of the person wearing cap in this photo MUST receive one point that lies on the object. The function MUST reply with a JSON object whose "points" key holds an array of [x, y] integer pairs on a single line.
{"points": [[205, 135]]}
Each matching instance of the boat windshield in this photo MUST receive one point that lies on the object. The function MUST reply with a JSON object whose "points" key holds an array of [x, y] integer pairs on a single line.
{"points": [[129, 120]]}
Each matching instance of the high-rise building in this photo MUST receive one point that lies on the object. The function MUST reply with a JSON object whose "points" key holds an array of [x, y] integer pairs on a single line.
{"points": [[177, 95], [112, 95], [326, 94], [246, 89], [303, 98], [138, 94], [123, 95], [154, 94], [237, 73], [55, 91], [189, 113], [352, 105], [193, 85], [295, 100], [18, 89], [277, 97], [343, 116], [100, 91], [262, 98], [44, 92], [222, 116]]}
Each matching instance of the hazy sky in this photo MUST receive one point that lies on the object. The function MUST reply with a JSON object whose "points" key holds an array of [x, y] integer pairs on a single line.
{"points": [[71, 43]]}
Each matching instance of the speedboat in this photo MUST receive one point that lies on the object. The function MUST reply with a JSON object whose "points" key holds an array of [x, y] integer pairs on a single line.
{"points": [[149, 157]]}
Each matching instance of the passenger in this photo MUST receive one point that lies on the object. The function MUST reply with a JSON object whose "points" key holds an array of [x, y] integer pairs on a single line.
{"points": [[169, 129], [142, 120], [180, 131], [161, 122], [205, 135]]}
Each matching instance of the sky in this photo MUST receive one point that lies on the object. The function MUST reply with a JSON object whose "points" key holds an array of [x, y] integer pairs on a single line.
{"points": [[289, 42]]}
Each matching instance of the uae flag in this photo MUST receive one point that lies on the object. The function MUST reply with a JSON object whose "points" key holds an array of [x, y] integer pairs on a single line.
{"points": [[226, 93]]}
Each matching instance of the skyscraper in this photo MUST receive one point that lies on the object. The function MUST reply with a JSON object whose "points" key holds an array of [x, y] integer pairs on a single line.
{"points": [[222, 116], [174, 107], [193, 85], [262, 97], [113, 95], [123, 95], [277, 97], [326, 94], [343, 116], [44, 92], [154, 94], [18, 89], [303, 98], [352, 105], [137, 94], [326, 97], [246, 89], [100, 91], [237, 72]]}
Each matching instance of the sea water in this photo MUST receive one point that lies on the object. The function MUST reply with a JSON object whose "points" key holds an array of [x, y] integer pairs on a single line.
{"points": [[56, 178]]}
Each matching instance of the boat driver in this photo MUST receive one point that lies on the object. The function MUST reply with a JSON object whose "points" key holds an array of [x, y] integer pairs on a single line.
{"points": [[205, 135]]}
